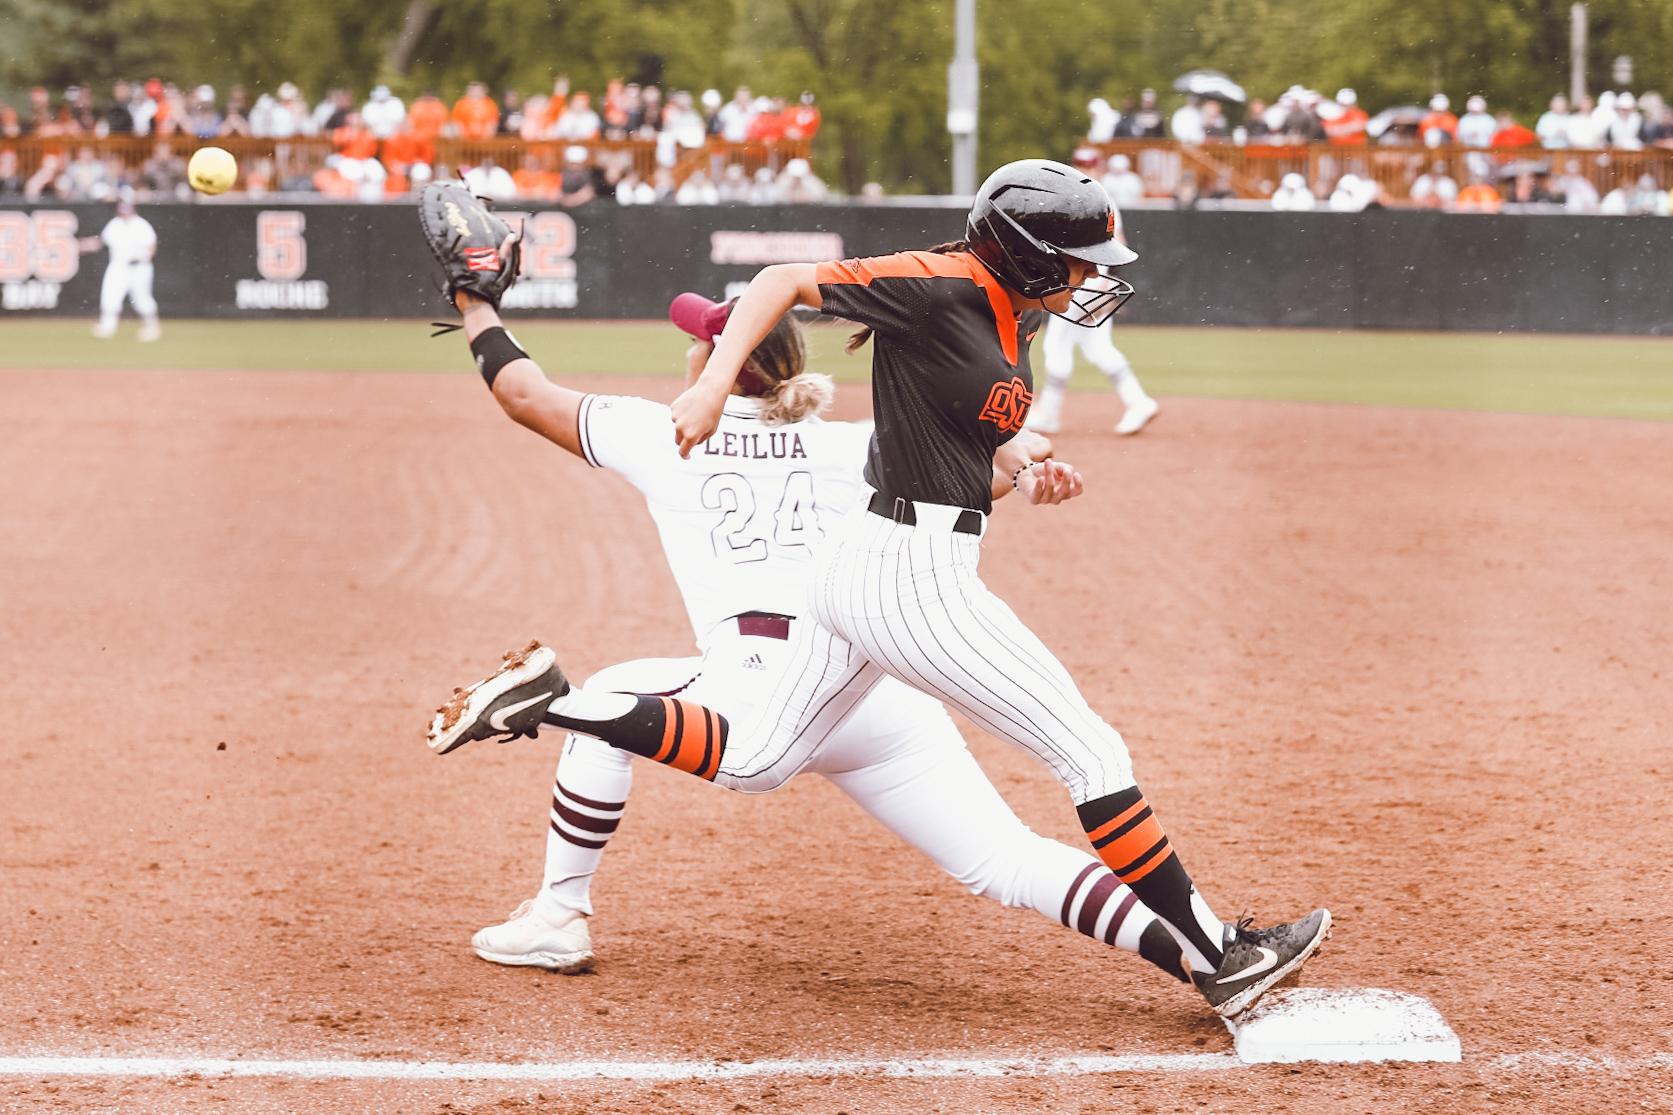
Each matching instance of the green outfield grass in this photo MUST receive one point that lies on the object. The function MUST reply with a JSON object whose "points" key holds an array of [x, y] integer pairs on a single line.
{"points": [[1601, 376]]}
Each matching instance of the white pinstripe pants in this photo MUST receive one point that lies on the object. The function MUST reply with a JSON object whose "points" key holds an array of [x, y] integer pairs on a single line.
{"points": [[906, 601]]}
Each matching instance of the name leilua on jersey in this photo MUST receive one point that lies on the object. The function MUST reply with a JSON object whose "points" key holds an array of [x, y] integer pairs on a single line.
{"points": [[756, 447]]}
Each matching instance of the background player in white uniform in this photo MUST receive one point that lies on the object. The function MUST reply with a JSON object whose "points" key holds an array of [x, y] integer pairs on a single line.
{"points": [[738, 522], [1057, 348], [132, 244]]}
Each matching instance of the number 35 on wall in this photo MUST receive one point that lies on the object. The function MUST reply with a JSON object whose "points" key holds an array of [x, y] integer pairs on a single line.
{"points": [[41, 245]]}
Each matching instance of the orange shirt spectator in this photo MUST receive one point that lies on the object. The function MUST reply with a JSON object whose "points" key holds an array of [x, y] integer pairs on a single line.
{"points": [[1439, 119], [160, 124], [802, 122], [1512, 134], [354, 140], [555, 106], [769, 126], [1347, 127], [406, 147], [476, 114], [1479, 197], [533, 180], [426, 117]]}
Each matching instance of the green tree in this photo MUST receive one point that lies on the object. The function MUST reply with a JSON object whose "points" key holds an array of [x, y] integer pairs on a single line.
{"points": [[879, 67]]}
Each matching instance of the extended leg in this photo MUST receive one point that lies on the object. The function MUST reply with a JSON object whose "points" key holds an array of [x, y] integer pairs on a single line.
{"points": [[901, 759], [112, 290], [529, 690], [935, 626]]}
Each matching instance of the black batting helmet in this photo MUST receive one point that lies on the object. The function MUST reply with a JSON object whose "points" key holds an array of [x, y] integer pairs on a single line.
{"points": [[1031, 214]]}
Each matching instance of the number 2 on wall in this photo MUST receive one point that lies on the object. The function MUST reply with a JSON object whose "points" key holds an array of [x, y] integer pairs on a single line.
{"points": [[737, 537]]}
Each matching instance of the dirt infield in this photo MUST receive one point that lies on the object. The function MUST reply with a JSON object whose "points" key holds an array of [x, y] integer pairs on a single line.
{"points": [[1411, 664]]}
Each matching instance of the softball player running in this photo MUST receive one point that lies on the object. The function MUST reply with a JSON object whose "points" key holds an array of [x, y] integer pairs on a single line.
{"points": [[895, 592], [132, 243], [1062, 336], [738, 522]]}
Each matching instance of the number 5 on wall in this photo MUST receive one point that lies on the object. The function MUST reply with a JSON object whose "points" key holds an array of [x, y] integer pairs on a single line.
{"points": [[281, 251]]}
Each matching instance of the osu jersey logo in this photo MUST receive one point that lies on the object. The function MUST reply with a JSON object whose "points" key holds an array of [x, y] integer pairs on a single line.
{"points": [[1007, 405]]}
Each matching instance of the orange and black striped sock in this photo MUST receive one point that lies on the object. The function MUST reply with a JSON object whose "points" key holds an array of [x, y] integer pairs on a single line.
{"points": [[682, 734], [1129, 839]]}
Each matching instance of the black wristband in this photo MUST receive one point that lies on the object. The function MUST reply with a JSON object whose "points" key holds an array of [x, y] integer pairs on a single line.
{"points": [[494, 349]]}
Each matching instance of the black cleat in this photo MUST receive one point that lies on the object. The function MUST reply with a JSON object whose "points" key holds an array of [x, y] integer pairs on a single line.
{"points": [[509, 704], [1256, 959]]}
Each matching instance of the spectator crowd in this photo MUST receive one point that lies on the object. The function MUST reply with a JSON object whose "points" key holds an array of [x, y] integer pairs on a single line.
{"points": [[383, 146], [1302, 116], [1505, 162]]}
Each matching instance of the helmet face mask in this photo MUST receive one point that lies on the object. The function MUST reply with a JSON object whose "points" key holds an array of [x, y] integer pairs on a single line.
{"points": [[1096, 302], [1030, 218]]}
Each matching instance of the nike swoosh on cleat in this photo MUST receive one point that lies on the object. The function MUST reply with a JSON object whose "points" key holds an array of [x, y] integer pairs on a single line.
{"points": [[498, 721], [1267, 960]]}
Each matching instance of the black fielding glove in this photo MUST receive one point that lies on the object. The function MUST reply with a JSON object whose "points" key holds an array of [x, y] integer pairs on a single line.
{"points": [[477, 250]]}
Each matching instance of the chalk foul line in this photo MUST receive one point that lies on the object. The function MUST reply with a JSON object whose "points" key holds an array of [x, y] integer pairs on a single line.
{"points": [[935, 1068], [614, 1070]]}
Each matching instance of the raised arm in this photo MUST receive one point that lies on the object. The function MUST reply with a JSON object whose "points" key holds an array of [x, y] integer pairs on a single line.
{"points": [[520, 387], [771, 294]]}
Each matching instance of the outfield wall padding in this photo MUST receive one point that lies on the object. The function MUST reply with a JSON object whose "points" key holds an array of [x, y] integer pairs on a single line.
{"points": [[1380, 270]]}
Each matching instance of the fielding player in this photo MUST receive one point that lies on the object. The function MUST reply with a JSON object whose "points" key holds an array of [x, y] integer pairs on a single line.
{"points": [[1065, 334], [132, 244]]}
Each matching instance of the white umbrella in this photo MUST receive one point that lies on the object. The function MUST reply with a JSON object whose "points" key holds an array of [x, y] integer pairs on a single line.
{"points": [[1405, 116], [1210, 83]]}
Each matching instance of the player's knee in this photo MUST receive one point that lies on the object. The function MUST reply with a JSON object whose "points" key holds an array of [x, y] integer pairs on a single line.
{"points": [[751, 782]]}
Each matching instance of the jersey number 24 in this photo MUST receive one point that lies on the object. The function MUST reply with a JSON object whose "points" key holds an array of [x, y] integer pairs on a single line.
{"points": [[739, 538]]}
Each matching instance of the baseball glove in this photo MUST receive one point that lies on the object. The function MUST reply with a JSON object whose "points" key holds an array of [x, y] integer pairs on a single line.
{"points": [[477, 251]]}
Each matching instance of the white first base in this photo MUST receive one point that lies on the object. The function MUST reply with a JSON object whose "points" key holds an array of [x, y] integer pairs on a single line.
{"points": [[1342, 1024]]}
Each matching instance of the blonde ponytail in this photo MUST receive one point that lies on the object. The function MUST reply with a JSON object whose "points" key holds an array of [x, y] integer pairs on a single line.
{"points": [[800, 396]]}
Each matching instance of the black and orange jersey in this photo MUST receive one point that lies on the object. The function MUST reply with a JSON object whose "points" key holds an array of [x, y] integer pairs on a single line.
{"points": [[950, 380]]}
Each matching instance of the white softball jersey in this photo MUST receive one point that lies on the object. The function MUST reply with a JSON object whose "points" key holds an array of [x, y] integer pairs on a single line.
{"points": [[740, 518], [129, 240]]}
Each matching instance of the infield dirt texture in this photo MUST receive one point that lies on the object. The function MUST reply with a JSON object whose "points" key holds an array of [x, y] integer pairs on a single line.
{"points": [[1409, 663]]}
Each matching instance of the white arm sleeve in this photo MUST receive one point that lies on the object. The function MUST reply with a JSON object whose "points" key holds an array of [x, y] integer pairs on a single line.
{"points": [[627, 435]]}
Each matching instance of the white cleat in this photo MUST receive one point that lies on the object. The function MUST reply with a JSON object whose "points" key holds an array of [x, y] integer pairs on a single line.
{"points": [[1137, 416], [529, 940], [149, 332], [104, 332]]}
